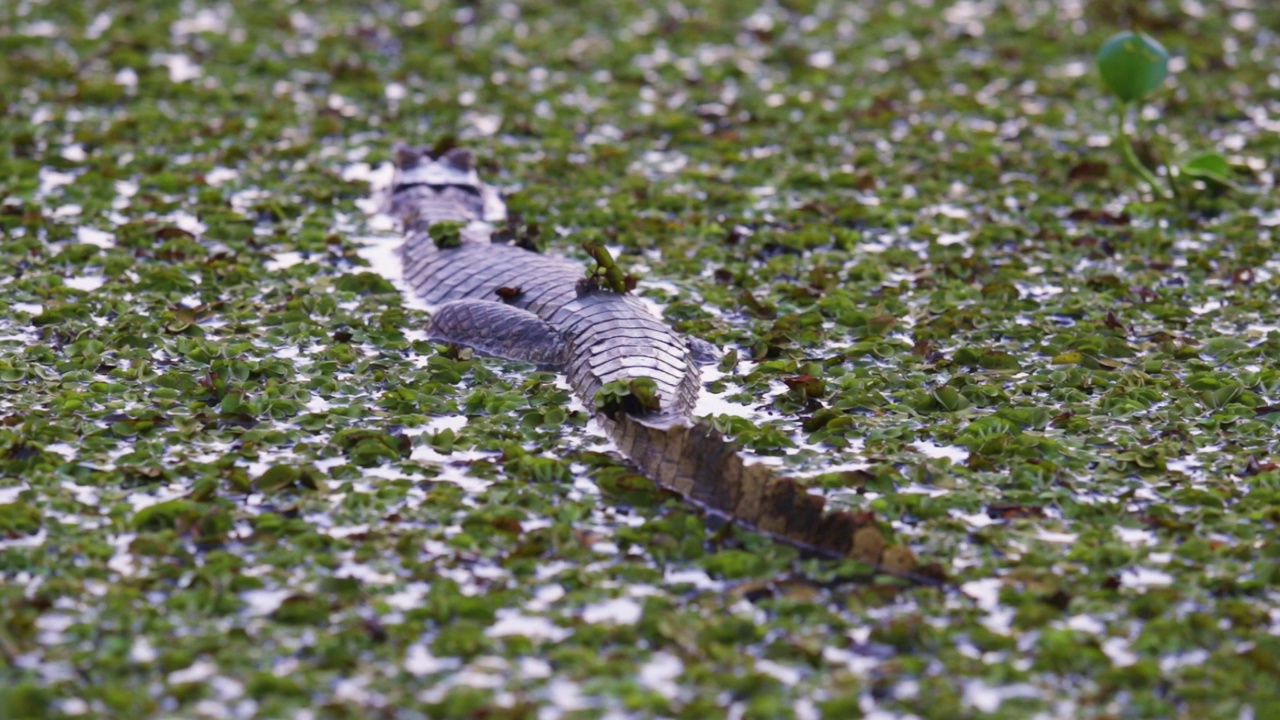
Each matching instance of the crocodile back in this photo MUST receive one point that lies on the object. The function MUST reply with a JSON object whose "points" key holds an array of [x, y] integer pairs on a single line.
{"points": [[609, 336]]}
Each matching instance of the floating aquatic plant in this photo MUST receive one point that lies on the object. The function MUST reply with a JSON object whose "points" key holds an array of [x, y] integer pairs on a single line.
{"points": [[1132, 65]]}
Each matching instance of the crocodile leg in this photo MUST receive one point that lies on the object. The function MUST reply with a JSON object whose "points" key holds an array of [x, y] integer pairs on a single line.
{"points": [[498, 330]]}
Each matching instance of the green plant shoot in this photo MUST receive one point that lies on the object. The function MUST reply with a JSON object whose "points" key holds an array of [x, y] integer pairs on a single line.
{"points": [[1132, 65], [606, 270]]}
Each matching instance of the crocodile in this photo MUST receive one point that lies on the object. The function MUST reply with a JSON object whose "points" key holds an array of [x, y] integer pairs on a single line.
{"points": [[506, 301]]}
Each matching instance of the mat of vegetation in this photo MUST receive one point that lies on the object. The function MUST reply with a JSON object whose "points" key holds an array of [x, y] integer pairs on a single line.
{"points": [[239, 482]]}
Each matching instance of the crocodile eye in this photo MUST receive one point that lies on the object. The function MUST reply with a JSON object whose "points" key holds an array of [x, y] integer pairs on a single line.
{"points": [[460, 158], [405, 156]]}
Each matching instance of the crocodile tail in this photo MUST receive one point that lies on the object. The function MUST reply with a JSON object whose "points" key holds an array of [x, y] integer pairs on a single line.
{"points": [[697, 461]]}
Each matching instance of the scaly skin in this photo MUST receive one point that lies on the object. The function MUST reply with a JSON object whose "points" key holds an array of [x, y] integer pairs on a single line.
{"points": [[599, 336]]}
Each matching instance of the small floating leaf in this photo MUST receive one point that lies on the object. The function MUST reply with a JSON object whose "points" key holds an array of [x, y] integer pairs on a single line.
{"points": [[166, 515], [947, 399], [19, 518], [301, 609], [365, 283], [729, 361], [279, 478]]}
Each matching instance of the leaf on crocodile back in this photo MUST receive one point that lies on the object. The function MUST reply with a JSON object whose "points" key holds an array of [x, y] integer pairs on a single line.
{"points": [[635, 396], [606, 272], [446, 234]]}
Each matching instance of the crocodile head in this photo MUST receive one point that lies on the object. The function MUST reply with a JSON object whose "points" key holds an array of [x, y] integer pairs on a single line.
{"points": [[448, 177]]}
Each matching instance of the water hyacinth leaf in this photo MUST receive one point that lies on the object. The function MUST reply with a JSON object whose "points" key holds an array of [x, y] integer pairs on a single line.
{"points": [[806, 386], [728, 361], [732, 564], [1210, 167], [535, 468], [1132, 65], [367, 448]]}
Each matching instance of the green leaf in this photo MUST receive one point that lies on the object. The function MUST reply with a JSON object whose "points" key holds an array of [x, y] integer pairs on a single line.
{"points": [[166, 515], [302, 610], [1132, 65], [948, 399], [1211, 167], [19, 518], [734, 564], [635, 396], [447, 234], [280, 478], [365, 282], [606, 271]]}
